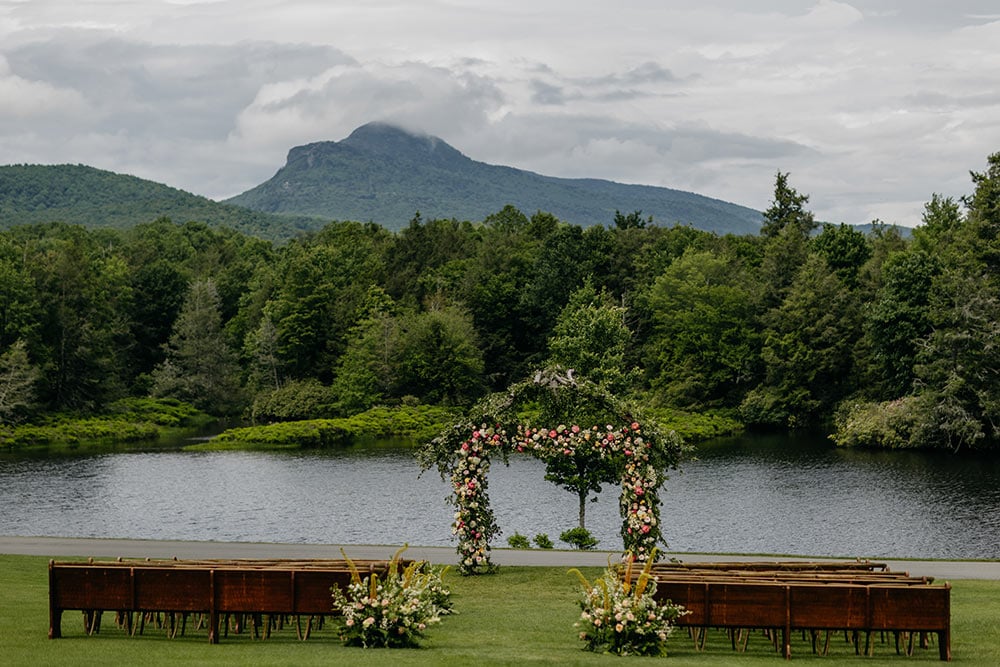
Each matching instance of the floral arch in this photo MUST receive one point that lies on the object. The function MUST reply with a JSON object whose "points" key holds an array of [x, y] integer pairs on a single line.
{"points": [[610, 432]]}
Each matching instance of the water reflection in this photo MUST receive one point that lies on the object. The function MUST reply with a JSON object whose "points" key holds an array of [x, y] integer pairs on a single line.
{"points": [[749, 495]]}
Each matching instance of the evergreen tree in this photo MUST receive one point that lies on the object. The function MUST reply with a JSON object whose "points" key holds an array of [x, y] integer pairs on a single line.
{"points": [[199, 366], [366, 371], [806, 351], [787, 211], [17, 383]]}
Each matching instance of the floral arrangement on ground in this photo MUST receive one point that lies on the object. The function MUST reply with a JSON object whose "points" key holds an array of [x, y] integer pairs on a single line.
{"points": [[393, 611], [622, 616]]}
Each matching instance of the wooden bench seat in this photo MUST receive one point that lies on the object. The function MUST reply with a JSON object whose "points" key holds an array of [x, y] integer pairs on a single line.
{"points": [[720, 602], [213, 588]]}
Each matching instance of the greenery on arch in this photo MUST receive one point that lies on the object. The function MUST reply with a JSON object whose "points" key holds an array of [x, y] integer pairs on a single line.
{"points": [[519, 419]]}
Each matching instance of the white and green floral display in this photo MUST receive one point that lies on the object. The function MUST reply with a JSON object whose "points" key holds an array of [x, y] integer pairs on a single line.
{"points": [[622, 616], [395, 610]]}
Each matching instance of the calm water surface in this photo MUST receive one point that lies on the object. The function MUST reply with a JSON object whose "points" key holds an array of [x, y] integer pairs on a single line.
{"points": [[749, 495]]}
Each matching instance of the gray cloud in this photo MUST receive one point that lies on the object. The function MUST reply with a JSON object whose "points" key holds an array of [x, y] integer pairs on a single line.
{"points": [[872, 105]]}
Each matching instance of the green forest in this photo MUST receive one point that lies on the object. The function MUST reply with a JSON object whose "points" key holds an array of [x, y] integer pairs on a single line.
{"points": [[878, 339]]}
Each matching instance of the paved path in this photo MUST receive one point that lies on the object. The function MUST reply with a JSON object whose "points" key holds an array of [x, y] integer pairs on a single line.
{"points": [[56, 547]]}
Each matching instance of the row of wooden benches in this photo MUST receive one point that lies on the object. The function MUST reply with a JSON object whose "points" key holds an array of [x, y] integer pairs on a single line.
{"points": [[779, 598], [859, 598], [216, 589]]}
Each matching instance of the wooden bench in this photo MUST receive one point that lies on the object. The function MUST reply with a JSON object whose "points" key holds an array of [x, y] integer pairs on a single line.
{"points": [[735, 602], [214, 588]]}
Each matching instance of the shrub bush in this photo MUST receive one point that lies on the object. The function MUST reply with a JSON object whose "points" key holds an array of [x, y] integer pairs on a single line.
{"points": [[887, 424], [578, 537], [297, 400], [542, 541], [518, 541]]}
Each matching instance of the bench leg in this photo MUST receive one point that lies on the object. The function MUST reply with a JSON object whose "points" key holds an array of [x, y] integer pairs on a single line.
{"points": [[55, 623], [944, 645]]}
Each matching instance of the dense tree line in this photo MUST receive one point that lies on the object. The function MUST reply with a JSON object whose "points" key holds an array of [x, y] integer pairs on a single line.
{"points": [[884, 340]]}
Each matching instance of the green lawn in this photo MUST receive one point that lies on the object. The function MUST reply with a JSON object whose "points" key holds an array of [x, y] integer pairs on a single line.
{"points": [[522, 615]]}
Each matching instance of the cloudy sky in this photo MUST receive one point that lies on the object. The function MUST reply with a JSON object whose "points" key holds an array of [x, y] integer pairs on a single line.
{"points": [[871, 105]]}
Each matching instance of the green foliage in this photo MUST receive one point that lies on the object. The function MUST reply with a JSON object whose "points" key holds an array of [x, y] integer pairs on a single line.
{"points": [[787, 211], [807, 351], [308, 434], [845, 250], [76, 194], [542, 541], [590, 337], [694, 427], [96, 429], [199, 367], [897, 320], [124, 421], [410, 422], [518, 541], [438, 358], [295, 401], [780, 327], [17, 384], [579, 538], [704, 346], [888, 424], [160, 411]]}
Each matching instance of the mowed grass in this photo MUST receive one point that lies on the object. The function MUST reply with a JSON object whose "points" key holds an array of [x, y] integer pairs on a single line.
{"points": [[520, 616]]}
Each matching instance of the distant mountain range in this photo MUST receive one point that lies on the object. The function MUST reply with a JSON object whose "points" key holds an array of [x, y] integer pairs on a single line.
{"points": [[380, 173], [77, 194], [386, 174]]}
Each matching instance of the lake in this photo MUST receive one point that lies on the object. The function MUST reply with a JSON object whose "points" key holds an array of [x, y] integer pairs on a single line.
{"points": [[750, 494]]}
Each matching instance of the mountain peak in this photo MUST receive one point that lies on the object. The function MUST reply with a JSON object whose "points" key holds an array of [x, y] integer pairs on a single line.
{"points": [[388, 140], [384, 172]]}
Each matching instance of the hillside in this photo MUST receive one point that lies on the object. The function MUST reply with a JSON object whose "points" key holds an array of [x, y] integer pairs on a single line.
{"points": [[91, 197], [385, 174]]}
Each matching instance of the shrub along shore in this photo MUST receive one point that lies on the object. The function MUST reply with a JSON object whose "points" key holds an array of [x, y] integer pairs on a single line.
{"points": [[145, 421]]}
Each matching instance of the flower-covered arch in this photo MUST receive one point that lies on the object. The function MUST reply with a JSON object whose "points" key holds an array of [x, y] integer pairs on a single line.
{"points": [[497, 426]]}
